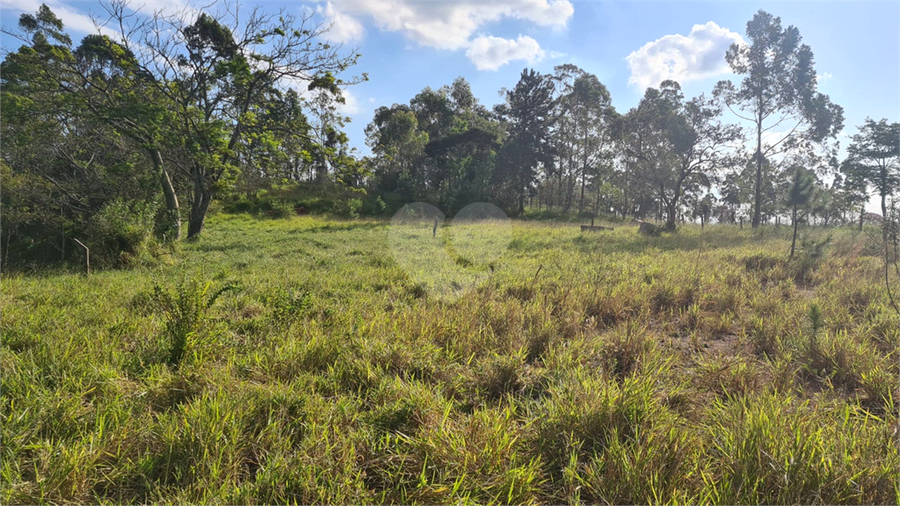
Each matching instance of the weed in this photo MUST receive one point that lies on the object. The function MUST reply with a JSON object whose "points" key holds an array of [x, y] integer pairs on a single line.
{"points": [[186, 310]]}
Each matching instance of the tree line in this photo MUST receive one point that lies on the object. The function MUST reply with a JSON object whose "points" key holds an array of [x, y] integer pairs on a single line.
{"points": [[119, 139]]}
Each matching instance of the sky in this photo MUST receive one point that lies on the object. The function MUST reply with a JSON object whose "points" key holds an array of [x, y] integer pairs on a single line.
{"points": [[407, 45]]}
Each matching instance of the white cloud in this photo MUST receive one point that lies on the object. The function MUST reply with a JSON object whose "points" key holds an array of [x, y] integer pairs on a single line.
{"points": [[344, 28], [351, 104], [78, 22], [823, 77], [449, 25], [556, 55], [696, 56], [72, 19], [491, 53]]}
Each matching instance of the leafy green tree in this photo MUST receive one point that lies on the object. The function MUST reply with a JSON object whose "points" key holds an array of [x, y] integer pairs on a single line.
{"points": [[874, 158], [64, 163], [582, 133], [277, 142], [462, 158], [854, 187], [212, 74], [106, 79], [528, 112], [398, 146], [778, 91], [677, 145]]}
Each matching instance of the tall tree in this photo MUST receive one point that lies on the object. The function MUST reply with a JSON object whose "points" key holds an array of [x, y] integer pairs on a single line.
{"points": [[854, 187], [398, 146], [213, 68], [582, 134], [677, 144], [777, 92], [107, 80], [874, 156], [528, 111], [68, 169]]}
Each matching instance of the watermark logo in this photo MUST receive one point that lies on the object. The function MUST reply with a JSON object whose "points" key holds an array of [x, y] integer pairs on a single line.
{"points": [[449, 258]]}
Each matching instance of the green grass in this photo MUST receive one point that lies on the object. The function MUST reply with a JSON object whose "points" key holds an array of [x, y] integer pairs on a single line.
{"points": [[296, 361]]}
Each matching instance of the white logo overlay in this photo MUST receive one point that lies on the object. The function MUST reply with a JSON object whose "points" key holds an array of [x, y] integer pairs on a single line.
{"points": [[448, 261]]}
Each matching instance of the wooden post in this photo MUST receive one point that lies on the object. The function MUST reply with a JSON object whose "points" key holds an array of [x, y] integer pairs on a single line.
{"points": [[87, 257]]}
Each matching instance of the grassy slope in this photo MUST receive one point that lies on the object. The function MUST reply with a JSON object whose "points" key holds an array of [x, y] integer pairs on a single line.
{"points": [[602, 367]]}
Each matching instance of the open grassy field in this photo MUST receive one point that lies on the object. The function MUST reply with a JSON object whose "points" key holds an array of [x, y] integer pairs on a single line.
{"points": [[297, 361]]}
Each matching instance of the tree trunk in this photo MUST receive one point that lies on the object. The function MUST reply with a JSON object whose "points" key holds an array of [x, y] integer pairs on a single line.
{"points": [[581, 202], [757, 194], [199, 206], [173, 213], [794, 239], [862, 214], [671, 215], [884, 213]]}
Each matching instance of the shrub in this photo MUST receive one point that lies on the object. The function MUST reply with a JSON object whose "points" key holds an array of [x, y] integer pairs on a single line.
{"points": [[186, 311], [122, 231], [348, 208]]}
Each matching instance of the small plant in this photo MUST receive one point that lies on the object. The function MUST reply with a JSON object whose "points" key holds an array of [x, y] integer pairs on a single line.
{"points": [[813, 252], [815, 318], [186, 310]]}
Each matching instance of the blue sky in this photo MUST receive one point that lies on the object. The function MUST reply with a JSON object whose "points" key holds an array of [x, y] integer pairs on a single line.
{"points": [[407, 45]]}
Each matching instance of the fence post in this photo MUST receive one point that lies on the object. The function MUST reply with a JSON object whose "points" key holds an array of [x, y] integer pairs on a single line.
{"points": [[87, 257]]}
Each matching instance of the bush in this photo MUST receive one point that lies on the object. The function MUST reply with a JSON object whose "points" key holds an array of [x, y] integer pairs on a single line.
{"points": [[373, 206], [348, 208], [122, 232]]}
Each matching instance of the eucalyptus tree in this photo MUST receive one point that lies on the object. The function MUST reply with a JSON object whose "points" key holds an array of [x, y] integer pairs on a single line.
{"points": [[463, 154], [583, 134], [96, 84], [854, 187], [676, 144], [777, 95], [874, 155], [62, 166], [398, 147], [212, 67]]}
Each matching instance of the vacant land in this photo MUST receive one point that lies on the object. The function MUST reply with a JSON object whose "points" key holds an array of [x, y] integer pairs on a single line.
{"points": [[297, 361]]}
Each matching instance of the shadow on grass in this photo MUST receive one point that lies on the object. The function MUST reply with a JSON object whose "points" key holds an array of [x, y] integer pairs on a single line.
{"points": [[345, 226], [684, 239]]}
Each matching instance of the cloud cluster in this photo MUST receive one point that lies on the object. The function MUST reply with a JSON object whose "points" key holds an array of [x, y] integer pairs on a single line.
{"points": [[451, 25], [699, 55], [72, 19], [344, 28], [491, 53]]}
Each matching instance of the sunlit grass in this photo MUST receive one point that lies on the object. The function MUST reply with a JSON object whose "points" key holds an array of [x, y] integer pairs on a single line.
{"points": [[599, 367]]}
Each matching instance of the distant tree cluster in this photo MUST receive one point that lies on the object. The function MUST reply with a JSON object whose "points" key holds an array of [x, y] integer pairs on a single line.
{"points": [[116, 141], [557, 143]]}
